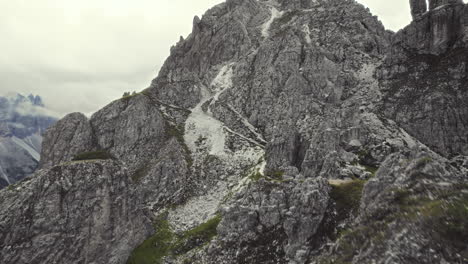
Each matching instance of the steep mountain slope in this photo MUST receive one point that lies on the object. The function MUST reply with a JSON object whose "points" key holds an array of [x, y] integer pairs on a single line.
{"points": [[289, 131], [22, 122]]}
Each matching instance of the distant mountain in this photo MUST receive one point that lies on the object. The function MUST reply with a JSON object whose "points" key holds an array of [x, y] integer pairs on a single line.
{"points": [[23, 119]]}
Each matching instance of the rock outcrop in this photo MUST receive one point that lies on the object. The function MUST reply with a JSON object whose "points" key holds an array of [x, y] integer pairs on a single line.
{"points": [[424, 80], [71, 135], [271, 222], [81, 212], [418, 8], [414, 206], [276, 132]]}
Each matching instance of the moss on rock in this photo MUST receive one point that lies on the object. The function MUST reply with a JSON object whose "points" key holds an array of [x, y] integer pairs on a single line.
{"points": [[93, 155], [166, 243]]}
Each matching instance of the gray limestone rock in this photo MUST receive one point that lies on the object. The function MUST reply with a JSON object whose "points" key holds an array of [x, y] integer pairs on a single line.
{"points": [[271, 222], [131, 129], [418, 8], [409, 209], [81, 212], [70, 136], [424, 80], [295, 122]]}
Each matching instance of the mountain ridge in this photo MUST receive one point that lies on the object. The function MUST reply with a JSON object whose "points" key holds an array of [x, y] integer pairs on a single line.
{"points": [[277, 132]]}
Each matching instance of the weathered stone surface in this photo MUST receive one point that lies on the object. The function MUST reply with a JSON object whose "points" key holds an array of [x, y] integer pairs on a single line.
{"points": [[433, 4], [226, 32], [274, 115], [82, 212], [271, 222], [409, 209], [424, 80], [131, 129], [68, 137], [435, 32], [418, 7]]}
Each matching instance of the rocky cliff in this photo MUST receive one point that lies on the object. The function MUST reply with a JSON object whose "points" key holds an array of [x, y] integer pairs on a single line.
{"points": [[276, 132], [23, 120]]}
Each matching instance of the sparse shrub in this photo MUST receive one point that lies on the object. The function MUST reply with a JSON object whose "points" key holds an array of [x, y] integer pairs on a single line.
{"points": [[166, 243], [155, 248], [347, 197], [256, 176], [140, 173], [196, 237], [93, 155], [276, 174]]}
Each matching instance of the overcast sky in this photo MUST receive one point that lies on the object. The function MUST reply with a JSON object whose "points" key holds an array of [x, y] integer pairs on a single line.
{"points": [[81, 54]]}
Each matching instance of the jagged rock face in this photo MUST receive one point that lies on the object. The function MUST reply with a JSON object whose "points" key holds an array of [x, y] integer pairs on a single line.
{"points": [[130, 129], [433, 4], [82, 212], [424, 80], [225, 33], [70, 136], [409, 209], [418, 7], [301, 75], [134, 131], [277, 115], [435, 32], [297, 65], [271, 221]]}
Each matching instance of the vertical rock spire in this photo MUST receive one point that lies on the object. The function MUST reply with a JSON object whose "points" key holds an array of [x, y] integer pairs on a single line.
{"points": [[418, 7]]}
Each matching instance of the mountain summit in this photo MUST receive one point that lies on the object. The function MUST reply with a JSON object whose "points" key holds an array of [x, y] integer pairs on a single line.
{"points": [[288, 131]]}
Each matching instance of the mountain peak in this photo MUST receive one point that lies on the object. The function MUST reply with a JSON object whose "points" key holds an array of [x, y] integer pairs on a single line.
{"points": [[277, 132]]}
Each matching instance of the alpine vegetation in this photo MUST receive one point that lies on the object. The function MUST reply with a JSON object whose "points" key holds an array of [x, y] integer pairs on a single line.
{"points": [[280, 131]]}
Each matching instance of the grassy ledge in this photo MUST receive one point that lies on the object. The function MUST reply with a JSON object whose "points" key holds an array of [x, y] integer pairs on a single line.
{"points": [[165, 243], [93, 155], [347, 197]]}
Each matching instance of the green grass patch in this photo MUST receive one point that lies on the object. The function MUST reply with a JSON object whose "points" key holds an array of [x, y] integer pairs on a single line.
{"points": [[196, 237], [276, 175], [445, 216], [347, 197], [140, 173], [166, 243], [256, 176], [93, 155], [155, 248], [448, 219], [369, 168], [351, 241]]}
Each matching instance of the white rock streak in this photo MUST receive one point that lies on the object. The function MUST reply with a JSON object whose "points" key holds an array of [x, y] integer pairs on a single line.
{"points": [[306, 31], [205, 135], [274, 15], [201, 129]]}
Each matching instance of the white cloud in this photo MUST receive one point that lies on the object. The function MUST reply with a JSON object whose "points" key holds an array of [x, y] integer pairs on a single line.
{"points": [[80, 55]]}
